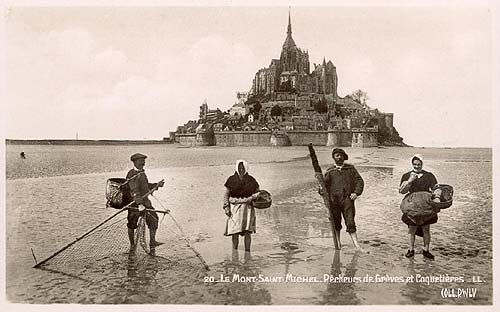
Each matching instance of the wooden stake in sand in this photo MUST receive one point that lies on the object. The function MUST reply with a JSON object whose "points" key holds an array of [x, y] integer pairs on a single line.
{"points": [[326, 198]]}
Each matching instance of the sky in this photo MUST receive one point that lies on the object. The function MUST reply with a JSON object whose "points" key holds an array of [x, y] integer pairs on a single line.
{"points": [[139, 72]]}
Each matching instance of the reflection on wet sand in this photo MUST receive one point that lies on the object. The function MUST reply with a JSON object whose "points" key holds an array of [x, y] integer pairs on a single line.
{"points": [[414, 291], [418, 291], [247, 292], [342, 293], [132, 264], [141, 278]]}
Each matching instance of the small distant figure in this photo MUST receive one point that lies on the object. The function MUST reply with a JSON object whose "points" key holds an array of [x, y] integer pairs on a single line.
{"points": [[22, 155]]}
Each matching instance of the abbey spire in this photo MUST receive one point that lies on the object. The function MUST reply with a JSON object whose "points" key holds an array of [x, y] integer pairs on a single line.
{"points": [[289, 43], [289, 31]]}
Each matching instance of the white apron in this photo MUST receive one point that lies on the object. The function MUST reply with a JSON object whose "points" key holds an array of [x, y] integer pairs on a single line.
{"points": [[242, 219]]}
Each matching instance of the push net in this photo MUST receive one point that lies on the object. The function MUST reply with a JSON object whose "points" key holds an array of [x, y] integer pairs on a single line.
{"points": [[107, 245]]}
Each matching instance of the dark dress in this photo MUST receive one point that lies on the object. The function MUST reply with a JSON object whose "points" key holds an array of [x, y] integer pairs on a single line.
{"points": [[242, 215]]}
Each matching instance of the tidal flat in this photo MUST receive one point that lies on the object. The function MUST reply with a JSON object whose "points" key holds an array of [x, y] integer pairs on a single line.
{"points": [[58, 193]]}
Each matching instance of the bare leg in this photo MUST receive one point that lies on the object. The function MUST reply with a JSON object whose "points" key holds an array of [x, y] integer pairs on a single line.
{"points": [[354, 238], [153, 243], [152, 237], [411, 252], [248, 241], [412, 241], [427, 241], [427, 236], [235, 241], [131, 237], [235, 256]]}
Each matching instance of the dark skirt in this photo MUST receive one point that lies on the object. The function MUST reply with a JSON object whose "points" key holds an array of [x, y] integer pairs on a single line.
{"points": [[419, 232]]}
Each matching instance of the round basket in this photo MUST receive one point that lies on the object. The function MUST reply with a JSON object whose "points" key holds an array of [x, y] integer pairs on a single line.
{"points": [[263, 200], [446, 196]]}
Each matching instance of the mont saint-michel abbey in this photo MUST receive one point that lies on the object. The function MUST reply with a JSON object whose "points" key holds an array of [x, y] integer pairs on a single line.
{"points": [[292, 103], [292, 72]]}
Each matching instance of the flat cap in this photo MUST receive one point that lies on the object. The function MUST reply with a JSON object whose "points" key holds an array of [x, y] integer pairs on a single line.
{"points": [[340, 151], [137, 156]]}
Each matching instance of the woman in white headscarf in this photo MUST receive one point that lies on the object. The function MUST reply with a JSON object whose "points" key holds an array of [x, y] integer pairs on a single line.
{"points": [[241, 190], [418, 180]]}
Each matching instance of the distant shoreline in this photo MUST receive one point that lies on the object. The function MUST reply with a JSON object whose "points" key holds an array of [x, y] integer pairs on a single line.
{"points": [[166, 141], [83, 142]]}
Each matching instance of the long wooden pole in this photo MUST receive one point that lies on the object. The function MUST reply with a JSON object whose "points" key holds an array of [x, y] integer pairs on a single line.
{"points": [[324, 192], [95, 228]]}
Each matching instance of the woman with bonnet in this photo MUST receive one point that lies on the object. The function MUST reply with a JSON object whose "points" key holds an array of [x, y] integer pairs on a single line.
{"points": [[241, 190], [418, 180]]}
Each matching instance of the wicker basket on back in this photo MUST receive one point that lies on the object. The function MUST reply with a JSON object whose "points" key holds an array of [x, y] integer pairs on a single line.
{"points": [[117, 193]]}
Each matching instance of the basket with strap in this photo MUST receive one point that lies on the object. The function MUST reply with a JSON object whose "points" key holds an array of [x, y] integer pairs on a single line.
{"points": [[117, 193]]}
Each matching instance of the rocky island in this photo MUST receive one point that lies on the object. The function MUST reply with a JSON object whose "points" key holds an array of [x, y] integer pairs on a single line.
{"points": [[291, 103]]}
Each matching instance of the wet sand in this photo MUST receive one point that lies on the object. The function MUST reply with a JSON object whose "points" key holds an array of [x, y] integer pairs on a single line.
{"points": [[47, 212]]}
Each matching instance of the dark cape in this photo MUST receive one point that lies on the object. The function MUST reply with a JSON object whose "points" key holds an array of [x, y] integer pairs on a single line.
{"points": [[241, 187]]}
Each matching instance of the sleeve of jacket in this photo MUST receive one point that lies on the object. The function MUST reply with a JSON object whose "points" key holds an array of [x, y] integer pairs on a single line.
{"points": [[255, 185], [359, 184], [433, 180]]}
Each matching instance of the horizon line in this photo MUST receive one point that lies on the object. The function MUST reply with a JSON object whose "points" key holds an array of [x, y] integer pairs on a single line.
{"points": [[165, 141]]}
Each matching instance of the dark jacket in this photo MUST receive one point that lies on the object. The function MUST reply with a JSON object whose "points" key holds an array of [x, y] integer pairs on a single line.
{"points": [[350, 179], [140, 186]]}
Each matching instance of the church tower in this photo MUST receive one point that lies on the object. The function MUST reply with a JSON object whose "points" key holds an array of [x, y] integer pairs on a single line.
{"points": [[292, 69], [203, 110]]}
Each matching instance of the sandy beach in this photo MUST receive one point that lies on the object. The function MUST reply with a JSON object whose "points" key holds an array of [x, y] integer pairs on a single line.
{"points": [[57, 193]]}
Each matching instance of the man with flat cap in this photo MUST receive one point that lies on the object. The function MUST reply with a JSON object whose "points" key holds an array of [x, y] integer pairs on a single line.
{"points": [[140, 186], [344, 185]]}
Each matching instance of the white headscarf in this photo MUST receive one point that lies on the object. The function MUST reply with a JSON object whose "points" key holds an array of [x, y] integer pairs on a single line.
{"points": [[245, 165], [419, 158]]}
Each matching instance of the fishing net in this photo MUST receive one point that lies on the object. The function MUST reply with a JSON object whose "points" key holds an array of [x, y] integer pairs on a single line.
{"points": [[106, 247]]}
